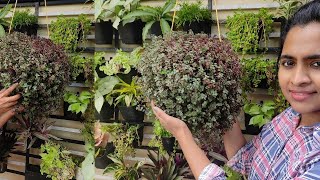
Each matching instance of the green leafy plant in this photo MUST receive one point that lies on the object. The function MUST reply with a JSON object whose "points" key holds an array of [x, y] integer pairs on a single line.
{"points": [[3, 23], [124, 93], [197, 84], [288, 7], [78, 103], [281, 103], [159, 132], [261, 114], [122, 170], [122, 62], [232, 174], [23, 18], [257, 69], [87, 165], [193, 12], [163, 168], [247, 29], [114, 9], [56, 162], [70, 32], [151, 15], [40, 67]]}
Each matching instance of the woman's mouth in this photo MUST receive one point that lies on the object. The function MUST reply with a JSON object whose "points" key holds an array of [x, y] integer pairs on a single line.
{"points": [[301, 95]]}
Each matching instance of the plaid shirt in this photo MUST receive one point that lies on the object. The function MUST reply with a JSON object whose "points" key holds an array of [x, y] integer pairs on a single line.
{"points": [[280, 151]]}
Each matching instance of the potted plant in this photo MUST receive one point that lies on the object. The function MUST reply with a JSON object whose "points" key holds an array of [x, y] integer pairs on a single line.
{"points": [[56, 162], [122, 170], [25, 22], [156, 18], [162, 139], [3, 23], [288, 7], [258, 115], [193, 17], [247, 30], [258, 73], [70, 32], [40, 67], [7, 143], [197, 84], [103, 27], [165, 168]]}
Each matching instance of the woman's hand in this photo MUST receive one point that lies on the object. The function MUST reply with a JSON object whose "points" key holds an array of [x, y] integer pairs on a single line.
{"points": [[8, 104], [174, 125]]}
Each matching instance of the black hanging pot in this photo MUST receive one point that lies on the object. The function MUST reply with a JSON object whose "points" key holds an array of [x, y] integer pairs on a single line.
{"points": [[131, 115], [156, 29], [70, 115], [198, 27], [168, 143], [250, 129], [30, 30], [131, 33], [3, 166], [103, 32], [263, 84], [106, 113], [128, 77], [102, 160], [38, 143]]}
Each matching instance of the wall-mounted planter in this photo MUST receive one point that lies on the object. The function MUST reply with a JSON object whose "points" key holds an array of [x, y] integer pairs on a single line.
{"points": [[30, 30], [198, 27], [103, 32], [102, 160], [131, 33]]}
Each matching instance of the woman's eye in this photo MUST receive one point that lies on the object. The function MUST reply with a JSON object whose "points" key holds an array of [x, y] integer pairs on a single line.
{"points": [[287, 63]]}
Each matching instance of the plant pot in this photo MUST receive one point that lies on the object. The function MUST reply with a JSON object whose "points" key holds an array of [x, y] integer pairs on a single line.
{"points": [[128, 77], [131, 115], [168, 143], [69, 114], [100, 74], [30, 30], [103, 32], [198, 27], [32, 172], [263, 84], [131, 33], [38, 143], [250, 129], [106, 113], [101, 162], [156, 29], [80, 78], [3, 166]]}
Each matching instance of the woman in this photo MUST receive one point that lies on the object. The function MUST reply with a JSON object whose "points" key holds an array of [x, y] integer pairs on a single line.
{"points": [[8, 104], [289, 146]]}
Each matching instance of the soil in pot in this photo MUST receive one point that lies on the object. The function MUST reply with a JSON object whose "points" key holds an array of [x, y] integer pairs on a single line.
{"points": [[198, 27], [131, 115], [168, 143], [250, 129], [106, 113], [102, 160], [131, 33], [103, 32]]}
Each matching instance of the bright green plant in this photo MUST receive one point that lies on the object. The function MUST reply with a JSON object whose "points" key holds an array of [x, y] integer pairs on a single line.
{"points": [[261, 114], [151, 15], [41, 68], [124, 94], [78, 103], [3, 12], [70, 32], [256, 69], [115, 10], [281, 103], [232, 174], [245, 28], [195, 83], [159, 132], [87, 166], [23, 18], [122, 62], [56, 162], [193, 12], [122, 170]]}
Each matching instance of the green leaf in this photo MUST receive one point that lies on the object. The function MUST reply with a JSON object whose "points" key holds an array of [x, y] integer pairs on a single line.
{"points": [[138, 13], [88, 167], [168, 6], [116, 22], [165, 27], [254, 110], [5, 10], [146, 29], [2, 31], [98, 101], [105, 85], [256, 120]]}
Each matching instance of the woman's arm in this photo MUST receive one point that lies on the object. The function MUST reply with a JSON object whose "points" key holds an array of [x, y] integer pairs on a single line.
{"points": [[233, 140]]}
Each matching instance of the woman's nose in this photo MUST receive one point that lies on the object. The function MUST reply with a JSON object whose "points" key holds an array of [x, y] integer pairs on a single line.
{"points": [[301, 76]]}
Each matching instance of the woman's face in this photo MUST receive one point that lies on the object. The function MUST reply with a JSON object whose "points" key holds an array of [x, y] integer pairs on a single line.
{"points": [[299, 71]]}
